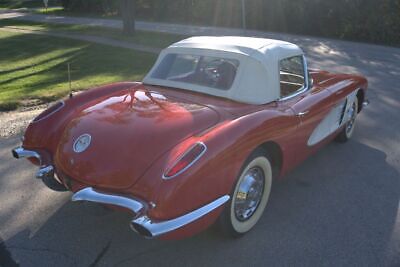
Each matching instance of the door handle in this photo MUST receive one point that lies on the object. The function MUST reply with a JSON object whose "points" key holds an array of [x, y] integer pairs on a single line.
{"points": [[302, 114]]}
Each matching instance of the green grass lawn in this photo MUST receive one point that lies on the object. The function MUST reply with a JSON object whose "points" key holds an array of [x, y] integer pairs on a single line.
{"points": [[35, 67], [60, 11], [153, 39], [9, 4]]}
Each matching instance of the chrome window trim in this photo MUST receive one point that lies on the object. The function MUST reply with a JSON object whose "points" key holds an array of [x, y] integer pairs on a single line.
{"points": [[306, 81], [189, 165]]}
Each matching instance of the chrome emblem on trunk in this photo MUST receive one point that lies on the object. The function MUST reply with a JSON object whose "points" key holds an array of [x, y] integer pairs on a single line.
{"points": [[82, 143]]}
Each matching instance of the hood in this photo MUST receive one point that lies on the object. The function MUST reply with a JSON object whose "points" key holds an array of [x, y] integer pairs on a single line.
{"points": [[128, 131]]}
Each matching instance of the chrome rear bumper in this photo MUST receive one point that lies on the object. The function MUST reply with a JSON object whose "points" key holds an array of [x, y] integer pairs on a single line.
{"points": [[45, 172], [141, 223], [148, 228], [89, 194]]}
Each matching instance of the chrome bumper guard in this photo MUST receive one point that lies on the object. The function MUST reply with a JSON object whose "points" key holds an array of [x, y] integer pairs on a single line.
{"points": [[45, 173], [141, 223]]}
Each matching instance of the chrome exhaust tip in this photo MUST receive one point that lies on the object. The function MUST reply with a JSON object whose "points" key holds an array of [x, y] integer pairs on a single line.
{"points": [[45, 173], [15, 153], [20, 153], [141, 230], [365, 103]]}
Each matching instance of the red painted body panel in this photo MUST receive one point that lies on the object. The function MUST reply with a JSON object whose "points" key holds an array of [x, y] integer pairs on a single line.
{"points": [[138, 131], [130, 129]]}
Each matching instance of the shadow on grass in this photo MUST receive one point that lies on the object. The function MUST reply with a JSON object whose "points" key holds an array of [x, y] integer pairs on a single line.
{"points": [[36, 66], [62, 60], [12, 4], [67, 55]]}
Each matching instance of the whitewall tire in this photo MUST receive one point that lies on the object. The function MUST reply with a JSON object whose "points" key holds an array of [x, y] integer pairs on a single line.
{"points": [[348, 129], [250, 196]]}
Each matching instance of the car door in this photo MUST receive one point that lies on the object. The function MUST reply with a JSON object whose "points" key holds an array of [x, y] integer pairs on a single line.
{"points": [[310, 104]]}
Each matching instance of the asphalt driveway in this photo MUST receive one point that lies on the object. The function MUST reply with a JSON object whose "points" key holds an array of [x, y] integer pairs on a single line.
{"points": [[339, 208]]}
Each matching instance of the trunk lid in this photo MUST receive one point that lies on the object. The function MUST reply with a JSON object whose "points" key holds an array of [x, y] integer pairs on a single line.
{"points": [[129, 130]]}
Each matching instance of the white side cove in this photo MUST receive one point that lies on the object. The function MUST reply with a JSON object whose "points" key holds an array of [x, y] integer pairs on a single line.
{"points": [[333, 121]]}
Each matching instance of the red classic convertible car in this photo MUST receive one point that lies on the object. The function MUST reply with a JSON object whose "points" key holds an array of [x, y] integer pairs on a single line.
{"points": [[200, 139]]}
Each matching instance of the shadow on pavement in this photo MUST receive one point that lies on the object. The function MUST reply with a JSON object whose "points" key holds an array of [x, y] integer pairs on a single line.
{"points": [[337, 208]]}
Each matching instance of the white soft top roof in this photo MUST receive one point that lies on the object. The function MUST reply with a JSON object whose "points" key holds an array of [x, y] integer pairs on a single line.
{"points": [[257, 78]]}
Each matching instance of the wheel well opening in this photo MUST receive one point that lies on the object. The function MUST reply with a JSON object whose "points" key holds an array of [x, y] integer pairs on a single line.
{"points": [[360, 98], [274, 153]]}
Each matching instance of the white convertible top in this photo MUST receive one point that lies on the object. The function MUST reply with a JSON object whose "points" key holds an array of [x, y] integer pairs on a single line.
{"points": [[257, 77]]}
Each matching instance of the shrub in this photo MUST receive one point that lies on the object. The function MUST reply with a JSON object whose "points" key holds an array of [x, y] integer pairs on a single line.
{"points": [[364, 20], [90, 6]]}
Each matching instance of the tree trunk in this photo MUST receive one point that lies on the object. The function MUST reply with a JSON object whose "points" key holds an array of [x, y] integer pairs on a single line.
{"points": [[127, 8]]}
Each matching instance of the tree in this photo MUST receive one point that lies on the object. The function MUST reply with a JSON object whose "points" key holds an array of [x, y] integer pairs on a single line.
{"points": [[128, 9]]}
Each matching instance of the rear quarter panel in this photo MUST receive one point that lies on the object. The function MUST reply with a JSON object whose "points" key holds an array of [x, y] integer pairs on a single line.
{"points": [[229, 144]]}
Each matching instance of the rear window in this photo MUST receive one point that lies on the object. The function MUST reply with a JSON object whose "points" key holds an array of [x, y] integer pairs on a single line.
{"points": [[207, 71]]}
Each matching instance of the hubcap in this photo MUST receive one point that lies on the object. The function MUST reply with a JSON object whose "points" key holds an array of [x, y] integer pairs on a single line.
{"points": [[352, 115], [249, 195]]}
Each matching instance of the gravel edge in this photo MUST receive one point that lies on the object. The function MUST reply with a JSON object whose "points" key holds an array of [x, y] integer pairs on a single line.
{"points": [[14, 123]]}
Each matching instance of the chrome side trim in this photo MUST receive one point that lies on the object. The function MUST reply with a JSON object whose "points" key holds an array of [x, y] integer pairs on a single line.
{"points": [[20, 153], [189, 165], [154, 229], [89, 194]]}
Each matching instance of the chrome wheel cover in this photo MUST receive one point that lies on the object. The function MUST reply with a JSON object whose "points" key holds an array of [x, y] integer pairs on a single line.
{"points": [[250, 193], [352, 113]]}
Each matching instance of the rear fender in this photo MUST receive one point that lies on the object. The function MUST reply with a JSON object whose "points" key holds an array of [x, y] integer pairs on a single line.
{"points": [[45, 133], [213, 175]]}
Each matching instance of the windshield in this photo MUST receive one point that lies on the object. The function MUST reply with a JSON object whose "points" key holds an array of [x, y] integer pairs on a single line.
{"points": [[207, 71]]}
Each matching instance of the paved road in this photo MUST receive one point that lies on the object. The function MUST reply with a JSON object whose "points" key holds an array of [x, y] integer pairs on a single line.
{"points": [[339, 208]]}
